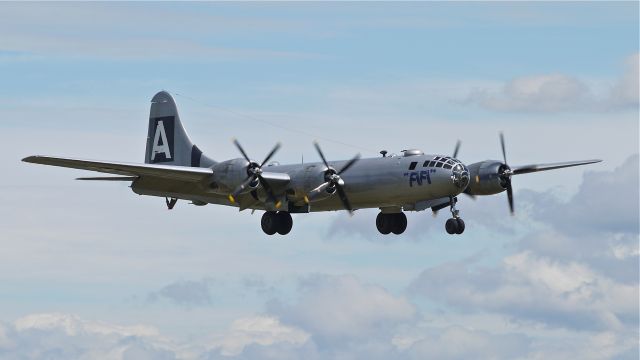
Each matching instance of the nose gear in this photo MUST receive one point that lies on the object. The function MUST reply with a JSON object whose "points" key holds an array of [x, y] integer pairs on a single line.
{"points": [[454, 225]]}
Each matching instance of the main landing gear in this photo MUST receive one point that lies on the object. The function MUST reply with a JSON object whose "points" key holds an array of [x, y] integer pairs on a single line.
{"points": [[455, 225], [276, 222], [391, 223]]}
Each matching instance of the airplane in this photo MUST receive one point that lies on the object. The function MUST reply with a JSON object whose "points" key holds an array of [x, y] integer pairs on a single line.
{"points": [[175, 168]]}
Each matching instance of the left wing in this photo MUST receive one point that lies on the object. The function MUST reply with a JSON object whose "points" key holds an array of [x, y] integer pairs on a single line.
{"points": [[169, 172]]}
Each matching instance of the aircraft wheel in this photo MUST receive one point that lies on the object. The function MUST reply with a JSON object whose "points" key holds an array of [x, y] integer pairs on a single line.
{"points": [[399, 223], [269, 222], [285, 223], [460, 224], [383, 223], [451, 226]]}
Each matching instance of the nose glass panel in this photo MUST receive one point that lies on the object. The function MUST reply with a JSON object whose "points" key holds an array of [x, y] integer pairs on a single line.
{"points": [[460, 176]]}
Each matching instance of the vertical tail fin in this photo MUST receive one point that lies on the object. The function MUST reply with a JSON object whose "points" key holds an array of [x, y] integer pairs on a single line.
{"points": [[167, 141]]}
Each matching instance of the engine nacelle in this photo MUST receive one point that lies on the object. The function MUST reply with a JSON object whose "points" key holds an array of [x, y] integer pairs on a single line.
{"points": [[313, 179], [227, 175], [485, 178]]}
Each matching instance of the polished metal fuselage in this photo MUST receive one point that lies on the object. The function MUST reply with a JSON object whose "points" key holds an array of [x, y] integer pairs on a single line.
{"points": [[381, 182]]}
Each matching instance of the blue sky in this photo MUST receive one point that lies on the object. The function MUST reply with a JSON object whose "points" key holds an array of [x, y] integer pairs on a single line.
{"points": [[93, 270]]}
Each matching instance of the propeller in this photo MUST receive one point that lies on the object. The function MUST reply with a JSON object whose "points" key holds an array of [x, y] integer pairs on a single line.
{"points": [[333, 181], [455, 151], [505, 173], [254, 173]]}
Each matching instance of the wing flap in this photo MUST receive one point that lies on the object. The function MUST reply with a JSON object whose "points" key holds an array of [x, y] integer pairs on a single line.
{"points": [[182, 173]]}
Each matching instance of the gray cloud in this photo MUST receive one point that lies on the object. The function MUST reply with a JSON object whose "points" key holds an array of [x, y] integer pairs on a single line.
{"points": [[185, 293], [598, 226], [606, 202], [529, 287]]}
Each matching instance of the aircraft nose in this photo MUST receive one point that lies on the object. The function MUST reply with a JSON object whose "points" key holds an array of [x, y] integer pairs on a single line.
{"points": [[460, 176]]}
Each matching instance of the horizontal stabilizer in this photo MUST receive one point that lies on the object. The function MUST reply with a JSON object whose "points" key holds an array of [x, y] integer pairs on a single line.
{"points": [[172, 172], [517, 170]]}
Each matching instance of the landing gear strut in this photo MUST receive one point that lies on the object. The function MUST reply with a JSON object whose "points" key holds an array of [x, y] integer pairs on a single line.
{"points": [[171, 202], [391, 222], [276, 222], [455, 225]]}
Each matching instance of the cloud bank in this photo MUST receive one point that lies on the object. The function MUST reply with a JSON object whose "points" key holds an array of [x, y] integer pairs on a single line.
{"points": [[561, 93]]}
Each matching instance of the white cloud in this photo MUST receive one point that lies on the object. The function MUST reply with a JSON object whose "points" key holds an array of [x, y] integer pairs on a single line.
{"points": [[72, 325], [456, 342], [542, 93], [342, 307], [548, 93], [66, 336], [261, 330]]}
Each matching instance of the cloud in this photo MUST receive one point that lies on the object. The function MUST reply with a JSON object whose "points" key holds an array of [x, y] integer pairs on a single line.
{"points": [[625, 91], [606, 202], [547, 93], [66, 336], [343, 307], [457, 342], [530, 287], [185, 293], [598, 226], [542, 93], [260, 330]]}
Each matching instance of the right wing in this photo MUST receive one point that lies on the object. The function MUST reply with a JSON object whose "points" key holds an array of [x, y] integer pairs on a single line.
{"points": [[169, 172], [517, 170]]}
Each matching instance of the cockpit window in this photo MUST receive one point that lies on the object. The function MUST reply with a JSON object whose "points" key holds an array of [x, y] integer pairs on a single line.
{"points": [[412, 166]]}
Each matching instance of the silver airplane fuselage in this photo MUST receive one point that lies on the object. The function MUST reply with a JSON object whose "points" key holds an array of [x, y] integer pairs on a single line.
{"points": [[400, 182]]}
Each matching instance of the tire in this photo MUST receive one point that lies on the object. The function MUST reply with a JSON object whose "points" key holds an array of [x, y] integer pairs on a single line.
{"points": [[399, 223], [269, 222], [285, 222], [460, 224], [383, 223], [451, 226]]}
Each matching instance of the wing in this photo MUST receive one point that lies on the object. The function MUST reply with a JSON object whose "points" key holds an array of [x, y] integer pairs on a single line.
{"points": [[544, 167], [169, 172]]}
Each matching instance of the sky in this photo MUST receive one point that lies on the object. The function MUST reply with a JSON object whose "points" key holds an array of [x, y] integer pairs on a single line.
{"points": [[90, 270]]}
